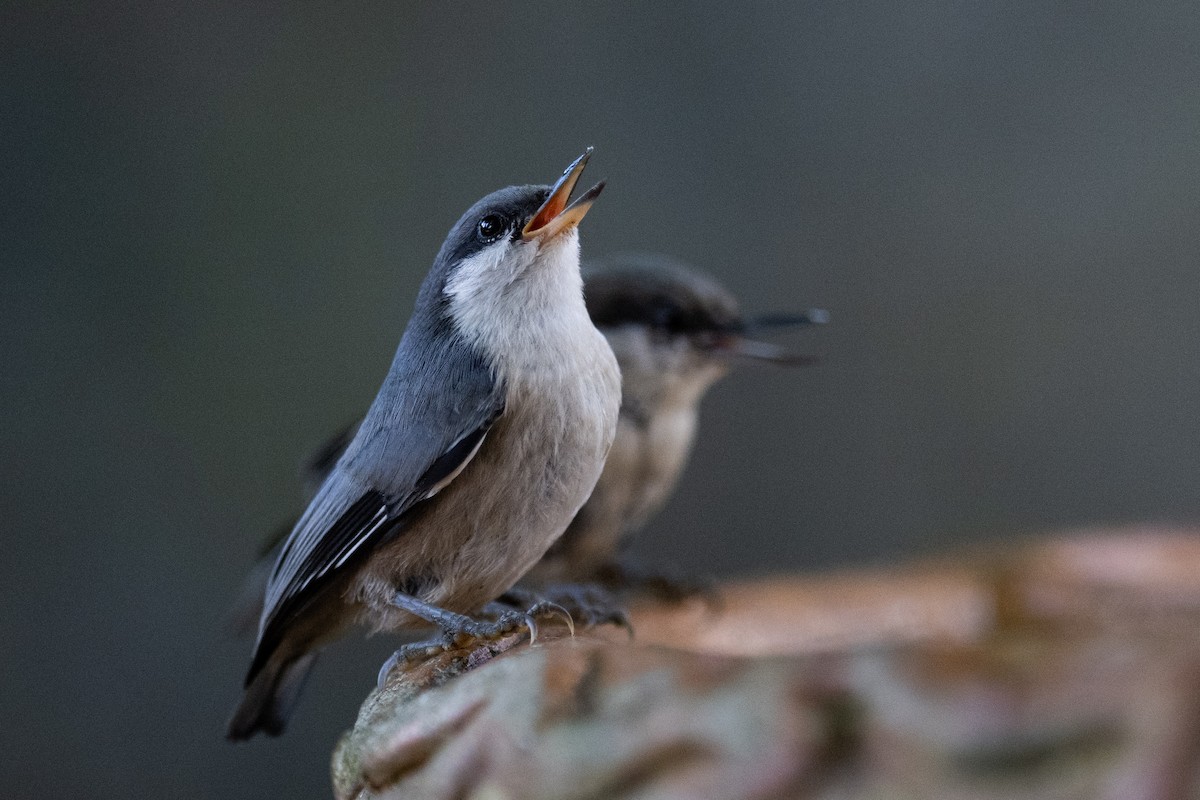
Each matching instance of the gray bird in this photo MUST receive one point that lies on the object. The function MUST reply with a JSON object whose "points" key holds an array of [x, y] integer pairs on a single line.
{"points": [[675, 332], [487, 436]]}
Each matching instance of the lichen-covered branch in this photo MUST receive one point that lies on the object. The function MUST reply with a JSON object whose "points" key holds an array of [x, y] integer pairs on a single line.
{"points": [[1069, 669]]}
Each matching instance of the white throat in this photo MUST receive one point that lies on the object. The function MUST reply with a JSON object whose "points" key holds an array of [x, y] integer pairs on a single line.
{"points": [[522, 304]]}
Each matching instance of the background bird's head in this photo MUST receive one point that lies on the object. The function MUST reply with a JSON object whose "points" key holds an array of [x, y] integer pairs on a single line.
{"points": [[674, 329]]}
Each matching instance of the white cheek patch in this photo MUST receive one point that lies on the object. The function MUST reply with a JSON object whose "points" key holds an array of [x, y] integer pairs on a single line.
{"points": [[480, 283], [517, 301], [483, 272]]}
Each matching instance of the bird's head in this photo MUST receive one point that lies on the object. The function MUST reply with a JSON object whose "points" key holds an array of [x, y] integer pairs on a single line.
{"points": [[517, 235], [675, 329]]}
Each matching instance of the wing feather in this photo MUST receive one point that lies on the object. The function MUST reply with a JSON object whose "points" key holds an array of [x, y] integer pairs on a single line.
{"points": [[417, 437]]}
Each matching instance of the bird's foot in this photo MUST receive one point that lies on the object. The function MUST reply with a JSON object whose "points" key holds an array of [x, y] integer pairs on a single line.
{"points": [[507, 616], [588, 603], [409, 654], [462, 631]]}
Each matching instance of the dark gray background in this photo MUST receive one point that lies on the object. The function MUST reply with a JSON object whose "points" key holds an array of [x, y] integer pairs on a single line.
{"points": [[215, 219]]}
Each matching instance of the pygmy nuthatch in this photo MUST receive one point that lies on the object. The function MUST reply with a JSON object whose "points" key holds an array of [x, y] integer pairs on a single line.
{"points": [[487, 436]]}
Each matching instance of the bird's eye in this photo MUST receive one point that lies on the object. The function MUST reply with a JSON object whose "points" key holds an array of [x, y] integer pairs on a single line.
{"points": [[664, 314], [492, 227]]}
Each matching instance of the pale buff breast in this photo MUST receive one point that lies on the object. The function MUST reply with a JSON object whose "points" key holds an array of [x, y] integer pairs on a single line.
{"points": [[535, 469]]}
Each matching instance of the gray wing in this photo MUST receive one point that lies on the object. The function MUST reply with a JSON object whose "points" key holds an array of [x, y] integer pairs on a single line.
{"points": [[428, 421]]}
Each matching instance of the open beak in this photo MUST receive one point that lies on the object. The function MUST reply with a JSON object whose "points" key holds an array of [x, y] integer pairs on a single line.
{"points": [[555, 216], [739, 346], [814, 316]]}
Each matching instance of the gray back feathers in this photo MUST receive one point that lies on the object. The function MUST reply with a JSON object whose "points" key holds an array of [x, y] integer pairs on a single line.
{"points": [[436, 404]]}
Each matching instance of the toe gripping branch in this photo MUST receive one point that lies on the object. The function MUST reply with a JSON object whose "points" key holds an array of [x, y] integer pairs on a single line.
{"points": [[460, 630], [588, 603]]}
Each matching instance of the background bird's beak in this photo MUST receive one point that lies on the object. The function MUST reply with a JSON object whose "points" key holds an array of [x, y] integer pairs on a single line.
{"points": [[555, 216], [814, 316], [740, 346]]}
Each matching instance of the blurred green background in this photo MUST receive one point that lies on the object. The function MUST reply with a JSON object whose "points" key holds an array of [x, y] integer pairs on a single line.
{"points": [[215, 218]]}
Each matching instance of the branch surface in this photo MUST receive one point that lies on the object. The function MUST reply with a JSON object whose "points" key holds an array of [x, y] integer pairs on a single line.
{"points": [[1066, 669]]}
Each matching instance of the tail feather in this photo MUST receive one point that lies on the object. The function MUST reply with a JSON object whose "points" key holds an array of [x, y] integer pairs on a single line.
{"points": [[270, 698]]}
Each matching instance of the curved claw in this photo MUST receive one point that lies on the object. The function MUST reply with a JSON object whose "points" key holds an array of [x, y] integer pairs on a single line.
{"points": [[405, 654], [549, 607], [531, 623], [392, 661]]}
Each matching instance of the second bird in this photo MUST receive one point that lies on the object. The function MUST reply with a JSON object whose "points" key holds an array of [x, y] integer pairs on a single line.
{"points": [[675, 332]]}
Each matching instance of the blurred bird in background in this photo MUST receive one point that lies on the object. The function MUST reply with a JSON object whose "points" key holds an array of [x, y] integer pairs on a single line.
{"points": [[675, 331]]}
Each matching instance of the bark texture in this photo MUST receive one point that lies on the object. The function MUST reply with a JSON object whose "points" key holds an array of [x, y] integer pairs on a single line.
{"points": [[1066, 669]]}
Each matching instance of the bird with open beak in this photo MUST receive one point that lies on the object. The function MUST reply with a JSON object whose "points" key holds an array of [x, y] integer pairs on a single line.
{"points": [[675, 332], [487, 436]]}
